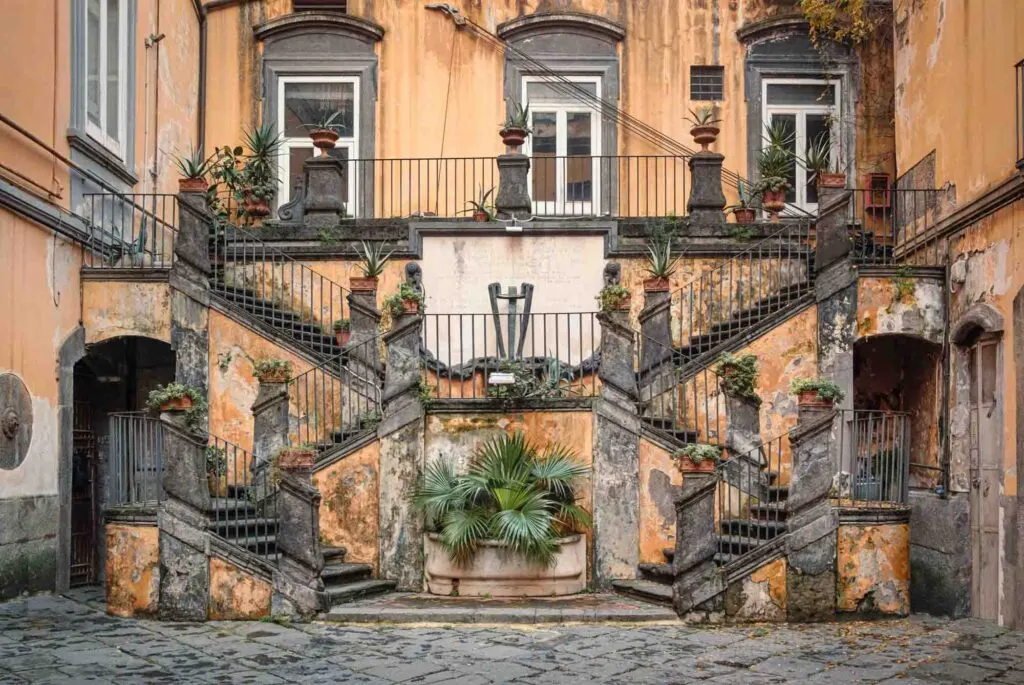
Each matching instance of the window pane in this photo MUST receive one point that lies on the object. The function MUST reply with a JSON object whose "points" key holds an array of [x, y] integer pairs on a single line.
{"points": [[817, 133], [560, 92], [113, 68], [311, 103], [988, 372], [297, 156], [543, 142], [789, 121], [801, 94], [578, 172], [92, 61], [578, 124]]}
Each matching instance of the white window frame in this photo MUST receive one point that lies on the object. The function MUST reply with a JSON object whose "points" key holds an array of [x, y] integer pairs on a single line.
{"points": [[351, 143], [800, 113], [99, 133], [562, 109]]}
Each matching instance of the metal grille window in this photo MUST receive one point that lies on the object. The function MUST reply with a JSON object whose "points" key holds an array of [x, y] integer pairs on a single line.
{"points": [[707, 82], [320, 5]]}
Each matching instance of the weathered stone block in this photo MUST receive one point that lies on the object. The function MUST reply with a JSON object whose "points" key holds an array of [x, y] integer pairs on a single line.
{"points": [[237, 595], [513, 189], [184, 580], [132, 570]]}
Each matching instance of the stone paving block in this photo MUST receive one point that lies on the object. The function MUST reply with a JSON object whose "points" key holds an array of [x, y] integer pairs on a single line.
{"points": [[790, 667], [398, 672]]}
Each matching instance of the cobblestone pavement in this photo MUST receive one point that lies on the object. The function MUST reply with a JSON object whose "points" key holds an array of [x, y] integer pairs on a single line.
{"points": [[55, 639]]}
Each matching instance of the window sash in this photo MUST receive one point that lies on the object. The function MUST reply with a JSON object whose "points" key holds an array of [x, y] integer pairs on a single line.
{"points": [[98, 77]]}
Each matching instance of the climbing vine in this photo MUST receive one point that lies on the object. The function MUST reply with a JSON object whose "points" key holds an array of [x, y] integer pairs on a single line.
{"points": [[844, 21]]}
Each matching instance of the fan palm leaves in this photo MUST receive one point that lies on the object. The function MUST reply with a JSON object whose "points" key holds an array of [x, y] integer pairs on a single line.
{"points": [[510, 493]]}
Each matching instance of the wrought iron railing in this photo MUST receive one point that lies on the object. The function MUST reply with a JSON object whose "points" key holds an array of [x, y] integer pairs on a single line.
{"points": [[891, 226], [130, 230], [135, 461], [751, 498], [873, 453], [736, 293], [340, 398], [511, 356], [244, 498], [1019, 110]]}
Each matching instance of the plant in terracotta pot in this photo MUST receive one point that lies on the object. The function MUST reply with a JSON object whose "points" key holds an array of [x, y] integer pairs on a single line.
{"points": [[816, 392], [342, 331], [178, 397], [326, 130], [482, 211], [517, 126], [372, 260], [217, 471], [258, 179], [406, 301], [509, 526], [272, 370], [704, 131], [614, 298], [302, 456], [661, 264], [193, 168], [737, 375], [818, 162], [776, 166], [742, 212], [698, 457]]}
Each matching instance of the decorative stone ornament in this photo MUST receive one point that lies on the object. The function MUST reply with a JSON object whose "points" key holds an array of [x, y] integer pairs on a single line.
{"points": [[15, 421]]}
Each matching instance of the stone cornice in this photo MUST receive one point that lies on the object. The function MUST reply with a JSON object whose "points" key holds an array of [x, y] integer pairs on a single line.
{"points": [[748, 33], [299, 23], [567, 22]]}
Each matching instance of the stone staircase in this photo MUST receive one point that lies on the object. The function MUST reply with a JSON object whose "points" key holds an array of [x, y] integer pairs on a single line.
{"points": [[345, 582]]}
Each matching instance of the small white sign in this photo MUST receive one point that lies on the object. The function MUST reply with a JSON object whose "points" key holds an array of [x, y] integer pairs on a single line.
{"points": [[501, 378]]}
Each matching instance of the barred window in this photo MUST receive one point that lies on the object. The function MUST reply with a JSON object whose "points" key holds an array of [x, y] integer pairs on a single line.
{"points": [[707, 82], [320, 5]]}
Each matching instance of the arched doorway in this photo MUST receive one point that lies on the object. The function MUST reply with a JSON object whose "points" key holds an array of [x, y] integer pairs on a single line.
{"points": [[115, 375]]}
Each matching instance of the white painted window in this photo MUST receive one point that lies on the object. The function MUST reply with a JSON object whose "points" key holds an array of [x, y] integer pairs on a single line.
{"points": [[106, 73], [302, 101], [805, 107], [565, 145]]}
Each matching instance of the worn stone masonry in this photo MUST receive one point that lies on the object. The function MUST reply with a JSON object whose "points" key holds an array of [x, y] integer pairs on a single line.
{"points": [[707, 201], [811, 520], [697, 579], [298, 587], [324, 177], [616, 456], [513, 190], [835, 292], [269, 421], [655, 326]]}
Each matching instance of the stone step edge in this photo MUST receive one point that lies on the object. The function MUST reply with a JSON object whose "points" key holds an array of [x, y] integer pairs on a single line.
{"points": [[353, 614]]}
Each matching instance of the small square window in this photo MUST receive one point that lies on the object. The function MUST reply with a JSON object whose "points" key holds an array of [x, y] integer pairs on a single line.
{"points": [[707, 83], [320, 6]]}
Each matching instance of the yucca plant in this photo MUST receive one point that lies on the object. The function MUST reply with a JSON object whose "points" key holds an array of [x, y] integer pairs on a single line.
{"points": [[374, 258], [661, 263], [511, 493]]}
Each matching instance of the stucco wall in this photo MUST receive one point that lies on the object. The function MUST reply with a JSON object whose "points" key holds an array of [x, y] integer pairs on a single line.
{"points": [[132, 570], [116, 308], [873, 569], [760, 596], [660, 483], [236, 594], [349, 508]]}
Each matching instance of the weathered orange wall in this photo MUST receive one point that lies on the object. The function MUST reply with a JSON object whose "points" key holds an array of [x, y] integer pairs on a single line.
{"points": [[349, 508], [660, 481], [133, 569], [115, 308], [873, 565], [235, 594]]}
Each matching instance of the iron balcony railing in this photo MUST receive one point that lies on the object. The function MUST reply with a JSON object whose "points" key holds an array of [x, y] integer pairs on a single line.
{"points": [[511, 356], [130, 230], [340, 398], [1019, 109], [751, 498], [135, 462], [891, 226], [243, 493], [873, 456]]}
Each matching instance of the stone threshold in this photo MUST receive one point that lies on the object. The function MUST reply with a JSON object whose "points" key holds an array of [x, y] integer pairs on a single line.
{"points": [[423, 608]]}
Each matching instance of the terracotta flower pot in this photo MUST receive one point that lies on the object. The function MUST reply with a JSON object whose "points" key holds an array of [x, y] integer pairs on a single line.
{"points": [[323, 138], [257, 208], [363, 284], [656, 285], [686, 465], [744, 216], [831, 180], [480, 216], [704, 136], [275, 376], [183, 403], [624, 304], [296, 458], [192, 185], [342, 337], [513, 136], [410, 307], [809, 398]]}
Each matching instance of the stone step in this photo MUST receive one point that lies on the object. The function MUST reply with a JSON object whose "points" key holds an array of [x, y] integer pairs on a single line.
{"points": [[334, 554], [339, 594], [658, 573], [226, 508], [753, 528], [244, 527], [737, 544], [647, 590], [772, 511], [335, 574]]}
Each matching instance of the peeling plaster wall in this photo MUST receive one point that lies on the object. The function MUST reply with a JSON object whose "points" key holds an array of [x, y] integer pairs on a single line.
{"points": [[349, 509], [873, 569], [881, 309], [236, 594], [117, 308], [761, 596], [132, 569], [660, 485]]}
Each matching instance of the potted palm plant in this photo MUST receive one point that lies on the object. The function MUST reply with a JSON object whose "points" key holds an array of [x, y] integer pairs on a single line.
{"points": [[373, 259], [259, 170], [661, 264], [482, 211], [342, 331], [704, 131], [509, 526], [517, 126], [193, 168], [816, 392], [775, 164], [324, 132], [742, 212]]}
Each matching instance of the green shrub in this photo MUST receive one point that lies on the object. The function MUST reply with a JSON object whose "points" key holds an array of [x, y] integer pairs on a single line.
{"points": [[826, 389]]}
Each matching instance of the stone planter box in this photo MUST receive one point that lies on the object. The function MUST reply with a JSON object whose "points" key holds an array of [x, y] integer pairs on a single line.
{"points": [[497, 572]]}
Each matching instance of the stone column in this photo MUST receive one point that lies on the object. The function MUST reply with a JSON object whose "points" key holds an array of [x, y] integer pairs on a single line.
{"points": [[835, 287], [707, 201], [182, 522], [697, 577], [325, 191], [298, 587], [363, 357], [655, 329], [811, 522], [744, 469], [269, 421], [401, 434], [832, 230], [513, 189], [616, 456]]}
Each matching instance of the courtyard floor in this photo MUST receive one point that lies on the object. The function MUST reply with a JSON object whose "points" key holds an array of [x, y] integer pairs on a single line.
{"points": [[68, 639]]}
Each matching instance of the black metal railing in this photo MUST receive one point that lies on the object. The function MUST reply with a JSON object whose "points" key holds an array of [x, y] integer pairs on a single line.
{"points": [[751, 498], [1019, 110], [130, 230], [340, 398], [736, 293], [873, 456], [259, 279], [891, 226], [685, 403], [244, 498], [135, 461], [511, 356]]}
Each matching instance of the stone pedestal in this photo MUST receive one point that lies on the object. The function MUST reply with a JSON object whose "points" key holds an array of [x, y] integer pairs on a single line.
{"points": [[707, 201], [269, 421], [325, 191], [697, 578], [298, 587], [832, 231], [513, 189], [655, 329]]}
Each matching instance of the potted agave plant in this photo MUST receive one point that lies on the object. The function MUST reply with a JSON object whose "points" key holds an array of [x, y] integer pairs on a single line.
{"points": [[482, 211], [193, 168], [775, 164], [510, 526], [697, 458], [342, 331], [816, 392], [818, 162], [373, 259], [324, 132], [704, 131], [661, 264], [742, 212], [517, 126]]}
